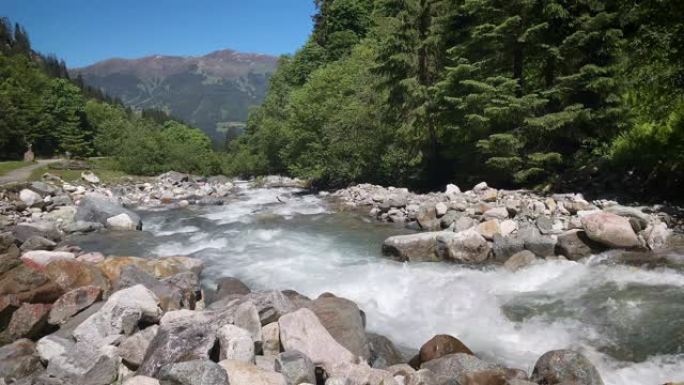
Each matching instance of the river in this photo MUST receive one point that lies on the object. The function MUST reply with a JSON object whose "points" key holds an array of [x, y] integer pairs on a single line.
{"points": [[628, 320]]}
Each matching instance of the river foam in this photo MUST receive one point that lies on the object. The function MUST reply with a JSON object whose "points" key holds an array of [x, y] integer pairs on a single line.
{"points": [[629, 321]]}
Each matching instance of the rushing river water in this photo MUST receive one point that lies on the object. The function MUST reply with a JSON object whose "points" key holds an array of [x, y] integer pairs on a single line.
{"points": [[629, 321]]}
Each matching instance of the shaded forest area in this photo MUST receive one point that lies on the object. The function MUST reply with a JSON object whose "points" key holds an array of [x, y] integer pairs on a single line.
{"points": [[520, 93]]}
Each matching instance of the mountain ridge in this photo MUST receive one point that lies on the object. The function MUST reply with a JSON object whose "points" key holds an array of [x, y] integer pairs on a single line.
{"points": [[213, 91]]}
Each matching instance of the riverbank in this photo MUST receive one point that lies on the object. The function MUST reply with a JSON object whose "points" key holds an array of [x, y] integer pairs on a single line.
{"points": [[207, 198]]}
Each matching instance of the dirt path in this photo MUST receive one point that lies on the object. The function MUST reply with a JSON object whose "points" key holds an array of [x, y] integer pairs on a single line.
{"points": [[21, 174]]}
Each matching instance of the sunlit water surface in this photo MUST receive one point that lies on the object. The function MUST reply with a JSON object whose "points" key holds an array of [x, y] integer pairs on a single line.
{"points": [[629, 321]]}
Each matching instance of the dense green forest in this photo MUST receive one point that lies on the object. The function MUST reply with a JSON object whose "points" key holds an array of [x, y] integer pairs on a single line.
{"points": [[40, 106], [518, 92]]}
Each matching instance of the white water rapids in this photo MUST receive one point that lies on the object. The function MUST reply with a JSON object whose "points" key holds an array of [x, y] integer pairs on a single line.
{"points": [[629, 321]]}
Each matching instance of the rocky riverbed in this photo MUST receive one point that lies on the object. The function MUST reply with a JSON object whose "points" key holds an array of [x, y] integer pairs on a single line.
{"points": [[75, 309]]}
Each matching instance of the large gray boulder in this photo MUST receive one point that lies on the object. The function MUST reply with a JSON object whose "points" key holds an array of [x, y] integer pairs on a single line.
{"points": [[132, 349], [383, 351], [98, 208], [119, 315], [194, 372], [301, 330], [564, 367], [465, 247], [183, 335], [296, 367], [610, 230], [85, 364], [540, 245], [342, 318], [419, 247]]}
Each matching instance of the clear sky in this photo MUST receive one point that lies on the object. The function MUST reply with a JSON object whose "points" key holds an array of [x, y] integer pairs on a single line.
{"points": [[86, 31]]}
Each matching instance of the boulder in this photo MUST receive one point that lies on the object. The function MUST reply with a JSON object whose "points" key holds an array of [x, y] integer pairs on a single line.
{"points": [[575, 245], [70, 274], [90, 177], [417, 247], [465, 247], [236, 344], [507, 227], [270, 306], [52, 346], [565, 366], [132, 349], [540, 245], [226, 286], [449, 218], [301, 330], [657, 236], [641, 218], [441, 345], [271, 339], [39, 259], [170, 297], [500, 213], [30, 198], [610, 230], [489, 195], [183, 335], [9, 258], [489, 228], [296, 367], [158, 267], [427, 217], [23, 231], [194, 372], [43, 188], [82, 227], [29, 285], [72, 302], [463, 223], [421, 377], [85, 364], [342, 318], [504, 247], [441, 209], [520, 260], [18, 360], [28, 321], [121, 314], [122, 222], [383, 351], [455, 367], [8, 305], [244, 373], [37, 242], [98, 208]]}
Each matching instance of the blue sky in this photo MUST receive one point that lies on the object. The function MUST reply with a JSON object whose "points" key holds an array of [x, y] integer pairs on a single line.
{"points": [[86, 31]]}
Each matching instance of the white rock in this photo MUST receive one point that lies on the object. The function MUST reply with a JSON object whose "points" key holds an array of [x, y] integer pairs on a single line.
{"points": [[121, 222], [141, 380], [90, 177], [441, 209], [29, 197], [452, 189], [236, 344], [507, 227], [480, 186], [496, 213], [119, 315], [52, 346]]}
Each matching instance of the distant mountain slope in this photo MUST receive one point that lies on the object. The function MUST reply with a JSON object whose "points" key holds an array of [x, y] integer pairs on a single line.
{"points": [[213, 92]]}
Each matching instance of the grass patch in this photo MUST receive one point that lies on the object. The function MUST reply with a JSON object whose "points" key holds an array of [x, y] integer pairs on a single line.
{"points": [[6, 167], [104, 168]]}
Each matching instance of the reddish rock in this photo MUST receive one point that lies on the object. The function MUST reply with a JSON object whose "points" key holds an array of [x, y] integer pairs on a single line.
{"points": [[158, 267], [29, 285], [441, 345], [29, 321], [72, 274], [73, 302]]}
